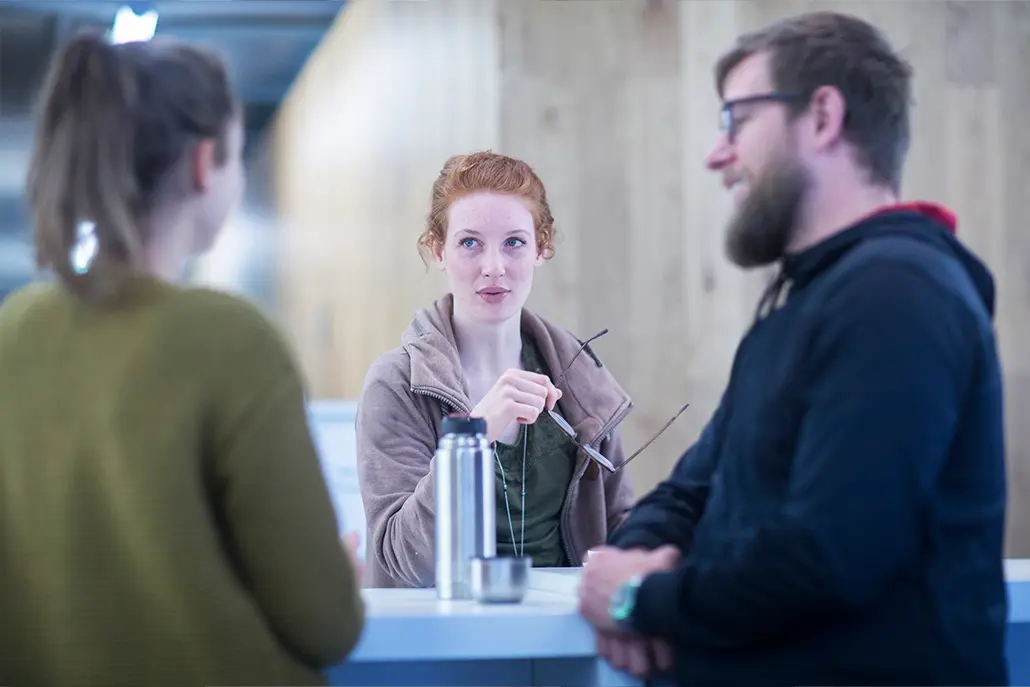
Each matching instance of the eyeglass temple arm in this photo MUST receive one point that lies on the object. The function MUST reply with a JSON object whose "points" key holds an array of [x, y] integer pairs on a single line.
{"points": [[651, 440], [596, 336]]}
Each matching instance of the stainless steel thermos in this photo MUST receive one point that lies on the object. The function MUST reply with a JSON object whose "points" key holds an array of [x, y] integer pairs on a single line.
{"points": [[463, 485]]}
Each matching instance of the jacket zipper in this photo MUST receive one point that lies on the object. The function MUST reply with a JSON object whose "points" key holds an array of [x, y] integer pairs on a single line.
{"points": [[445, 400]]}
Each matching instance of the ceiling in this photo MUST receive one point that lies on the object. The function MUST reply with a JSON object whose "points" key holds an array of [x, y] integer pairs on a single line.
{"points": [[265, 44]]}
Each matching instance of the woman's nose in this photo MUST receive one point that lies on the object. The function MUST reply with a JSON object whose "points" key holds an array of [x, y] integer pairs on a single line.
{"points": [[493, 264]]}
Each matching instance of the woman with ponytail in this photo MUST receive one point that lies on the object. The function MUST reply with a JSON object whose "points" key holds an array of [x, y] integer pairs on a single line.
{"points": [[163, 515]]}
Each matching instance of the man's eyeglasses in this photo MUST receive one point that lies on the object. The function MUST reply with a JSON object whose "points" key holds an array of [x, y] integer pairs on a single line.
{"points": [[593, 453], [728, 120]]}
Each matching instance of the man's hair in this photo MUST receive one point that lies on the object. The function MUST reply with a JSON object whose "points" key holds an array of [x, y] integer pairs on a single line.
{"points": [[832, 49]]}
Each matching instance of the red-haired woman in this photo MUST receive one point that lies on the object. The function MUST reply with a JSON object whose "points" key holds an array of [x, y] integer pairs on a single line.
{"points": [[478, 350]]}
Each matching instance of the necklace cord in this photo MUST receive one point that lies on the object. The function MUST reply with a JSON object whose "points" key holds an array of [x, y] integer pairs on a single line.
{"points": [[521, 548]]}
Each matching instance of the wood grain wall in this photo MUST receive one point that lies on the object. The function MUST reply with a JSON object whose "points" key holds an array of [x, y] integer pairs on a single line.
{"points": [[613, 103]]}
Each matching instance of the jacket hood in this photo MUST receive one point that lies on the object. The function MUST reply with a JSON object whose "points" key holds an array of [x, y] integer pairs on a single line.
{"points": [[929, 223], [592, 400]]}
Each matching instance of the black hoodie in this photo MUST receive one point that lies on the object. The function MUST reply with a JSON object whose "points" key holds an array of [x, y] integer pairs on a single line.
{"points": [[842, 514]]}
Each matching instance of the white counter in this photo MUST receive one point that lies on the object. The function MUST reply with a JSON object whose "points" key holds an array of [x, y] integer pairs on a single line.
{"points": [[411, 638], [543, 625]]}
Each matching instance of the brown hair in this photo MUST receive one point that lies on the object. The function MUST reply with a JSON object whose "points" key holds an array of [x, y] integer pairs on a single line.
{"points": [[832, 49], [487, 171], [114, 124]]}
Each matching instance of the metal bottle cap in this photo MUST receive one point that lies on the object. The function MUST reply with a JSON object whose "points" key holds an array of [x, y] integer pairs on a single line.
{"points": [[461, 424]]}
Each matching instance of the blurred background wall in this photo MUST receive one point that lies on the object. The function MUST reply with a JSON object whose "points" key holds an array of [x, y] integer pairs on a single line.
{"points": [[613, 103]]}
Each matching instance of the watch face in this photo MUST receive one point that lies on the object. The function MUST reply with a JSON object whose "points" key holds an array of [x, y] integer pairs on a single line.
{"points": [[618, 603], [622, 601]]}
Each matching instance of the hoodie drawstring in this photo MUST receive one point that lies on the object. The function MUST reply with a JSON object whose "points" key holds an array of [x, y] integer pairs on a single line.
{"points": [[774, 296]]}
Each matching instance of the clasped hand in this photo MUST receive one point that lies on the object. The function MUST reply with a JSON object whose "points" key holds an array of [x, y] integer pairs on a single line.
{"points": [[609, 568]]}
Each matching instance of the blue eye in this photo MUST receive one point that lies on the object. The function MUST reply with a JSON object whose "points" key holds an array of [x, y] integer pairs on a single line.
{"points": [[515, 243], [468, 243]]}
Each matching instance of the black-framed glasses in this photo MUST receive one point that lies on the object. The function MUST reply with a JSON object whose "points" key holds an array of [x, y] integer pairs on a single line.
{"points": [[591, 452], [728, 121]]}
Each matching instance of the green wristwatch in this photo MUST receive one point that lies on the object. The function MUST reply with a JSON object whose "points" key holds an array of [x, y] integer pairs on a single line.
{"points": [[623, 602]]}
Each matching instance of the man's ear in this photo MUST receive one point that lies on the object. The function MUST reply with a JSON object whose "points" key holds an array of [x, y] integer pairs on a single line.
{"points": [[829, 110]]}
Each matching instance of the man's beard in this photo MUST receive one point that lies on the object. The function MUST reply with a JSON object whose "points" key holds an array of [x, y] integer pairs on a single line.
{"points": [[761, 228]]}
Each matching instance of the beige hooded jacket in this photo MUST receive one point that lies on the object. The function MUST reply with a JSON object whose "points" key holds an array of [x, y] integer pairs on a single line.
{"points": [[407, 393]]}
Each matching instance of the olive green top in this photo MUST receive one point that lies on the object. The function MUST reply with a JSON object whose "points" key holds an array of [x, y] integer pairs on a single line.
{"points": [[550, 460], [163, 515]]}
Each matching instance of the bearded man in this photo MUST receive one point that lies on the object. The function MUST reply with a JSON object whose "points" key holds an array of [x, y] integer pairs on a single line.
{"points": [[840, 518]]}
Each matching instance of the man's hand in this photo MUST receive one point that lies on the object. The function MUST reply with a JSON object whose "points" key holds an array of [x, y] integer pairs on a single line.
{"points": [[638, 656], [608, 569]]}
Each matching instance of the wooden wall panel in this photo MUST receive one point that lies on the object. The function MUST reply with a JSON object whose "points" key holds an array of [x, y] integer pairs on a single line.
{"points": [[613, 103], [395, 88]]}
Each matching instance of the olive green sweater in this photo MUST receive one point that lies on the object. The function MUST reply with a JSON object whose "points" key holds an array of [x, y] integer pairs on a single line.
{"points": [[163, 515]]}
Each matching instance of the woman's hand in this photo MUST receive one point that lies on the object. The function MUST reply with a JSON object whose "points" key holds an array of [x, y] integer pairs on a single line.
{"points": [[350, 542], [517, 396]]}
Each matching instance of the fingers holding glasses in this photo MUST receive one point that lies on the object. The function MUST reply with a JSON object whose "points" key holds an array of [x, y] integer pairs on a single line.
{"points": [[531, 389], [517, 395]]}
